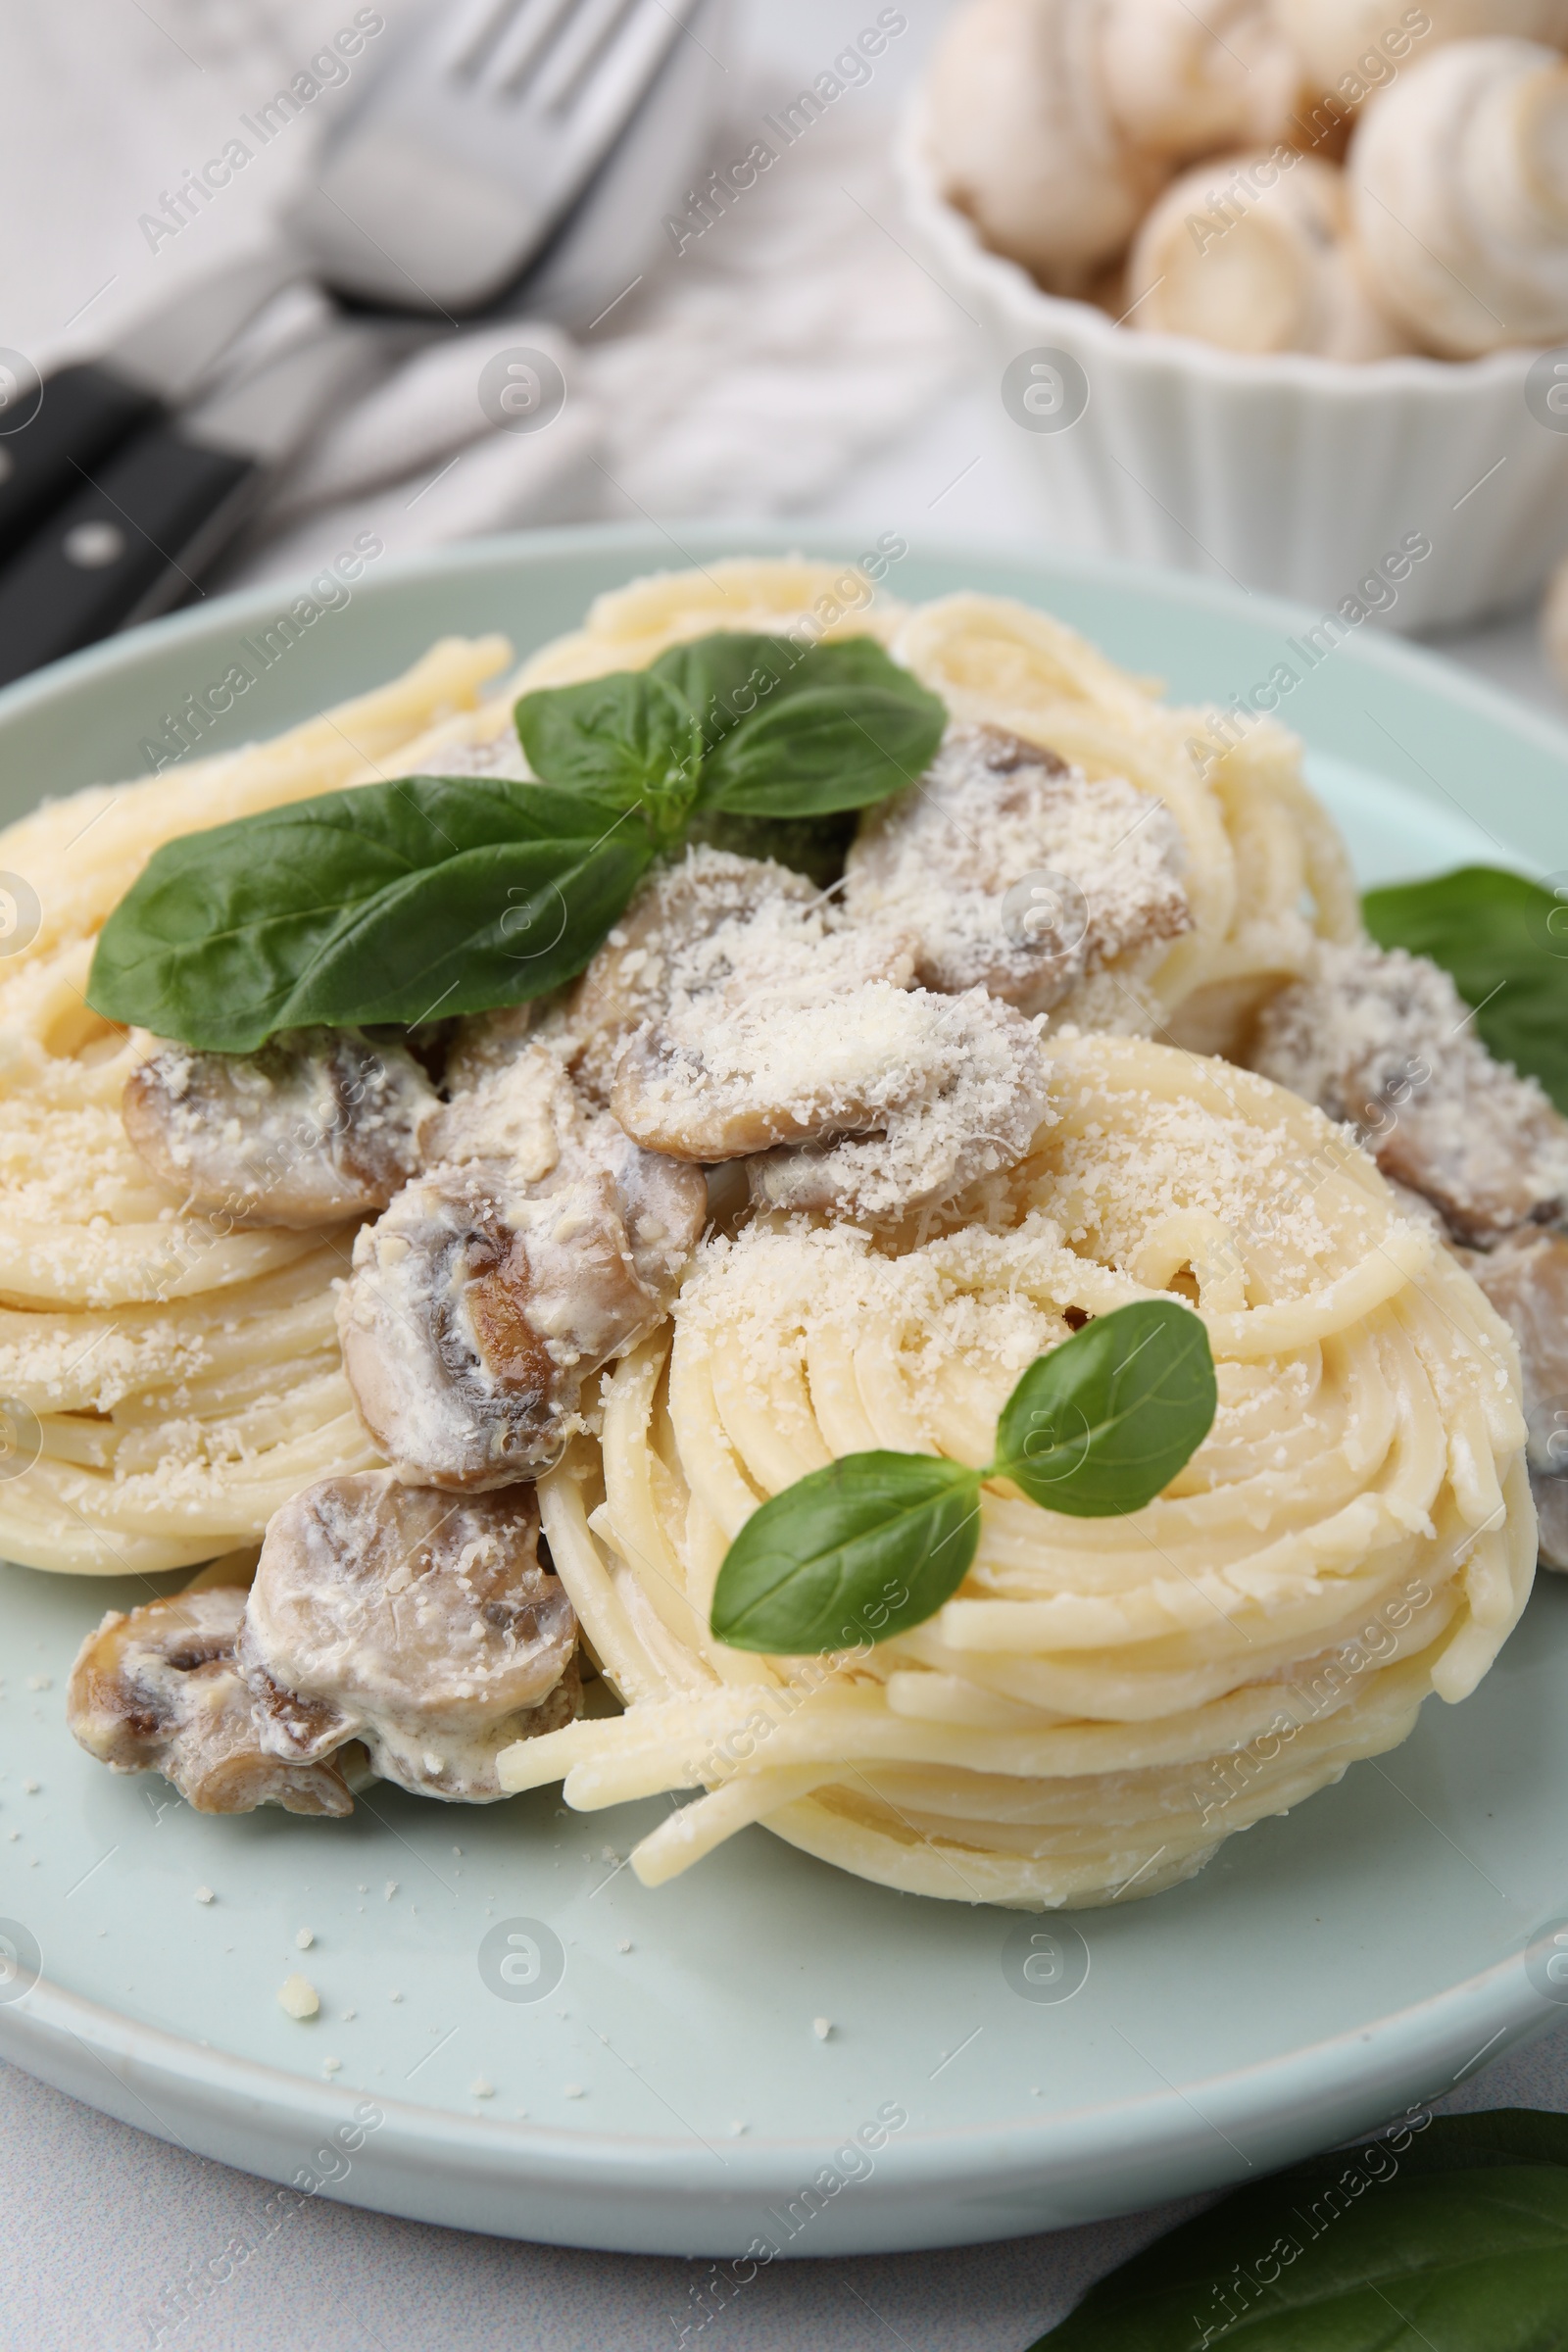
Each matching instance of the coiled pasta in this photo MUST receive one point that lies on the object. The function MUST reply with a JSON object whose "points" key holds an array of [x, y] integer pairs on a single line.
{"points": [[1103, 1700], [178, 1381]]}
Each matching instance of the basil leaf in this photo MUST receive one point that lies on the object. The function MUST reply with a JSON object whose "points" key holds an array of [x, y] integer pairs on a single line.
{"points": [[629, 738], [387, 903], [731, 676], [1103, 1423], [823, 751], [855, 1551], [1096, 1428], [793, 733], [727, 676], [394, 902], [759, 725], [1504, 942], [1458, 2238]]}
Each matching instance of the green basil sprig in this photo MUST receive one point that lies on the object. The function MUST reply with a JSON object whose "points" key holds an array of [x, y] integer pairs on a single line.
{"points": [[876, 1543], [1504, 942], [739, 723], [629, 739], [1450, 2231], [459, 894], [796, 738]]}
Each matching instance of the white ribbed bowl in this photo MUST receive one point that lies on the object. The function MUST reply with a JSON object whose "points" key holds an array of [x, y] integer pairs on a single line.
{"points": [[1280, 471]]}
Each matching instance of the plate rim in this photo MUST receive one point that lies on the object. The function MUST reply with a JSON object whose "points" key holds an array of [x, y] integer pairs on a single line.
{"points": [[1302, 2101], [1374, 646]]}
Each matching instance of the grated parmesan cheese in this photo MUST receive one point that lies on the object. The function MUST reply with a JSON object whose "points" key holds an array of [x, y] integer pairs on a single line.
{"points": [[1385, 1041], [721, 934], [1016, 873], [298, 1997]]}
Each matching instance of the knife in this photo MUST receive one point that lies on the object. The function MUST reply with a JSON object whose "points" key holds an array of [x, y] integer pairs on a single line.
{"points": [[89, 407], [141, 531]]}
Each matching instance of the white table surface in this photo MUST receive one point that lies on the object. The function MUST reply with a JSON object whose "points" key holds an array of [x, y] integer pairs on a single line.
{"points": [[100, 2220]]}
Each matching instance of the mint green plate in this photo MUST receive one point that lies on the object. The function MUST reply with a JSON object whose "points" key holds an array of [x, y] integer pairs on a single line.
{"points": [[669, 2093]]}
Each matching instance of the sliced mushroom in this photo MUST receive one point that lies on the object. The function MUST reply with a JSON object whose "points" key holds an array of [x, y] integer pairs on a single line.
{"points": [[719, 927], [486, 1043], [542, 1243], [320, 1124], [1017, 873], [1241, 254], [959, 1096], [159, 1690], [1384, 1040], [421, 1624], [719, 1082], [740, 1010], [1526, 1278]]}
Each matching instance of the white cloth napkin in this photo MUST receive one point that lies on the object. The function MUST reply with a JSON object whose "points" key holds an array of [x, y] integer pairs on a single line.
{"points": [[748, 375]]}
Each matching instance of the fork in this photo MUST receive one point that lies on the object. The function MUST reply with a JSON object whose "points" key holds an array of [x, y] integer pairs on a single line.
{"points": [[492, 126], [443, 182], [476, 138]]}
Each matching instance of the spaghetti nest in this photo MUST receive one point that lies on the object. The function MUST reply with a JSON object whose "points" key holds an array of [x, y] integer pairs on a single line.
{"points": [[1258, 844], [1103, 1700], [178, 1379]]}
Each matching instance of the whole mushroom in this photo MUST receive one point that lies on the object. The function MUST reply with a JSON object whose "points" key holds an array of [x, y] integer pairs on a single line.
{"points": [[1255, 253], [1458, 179], [1353, 47], [1022, 138]]}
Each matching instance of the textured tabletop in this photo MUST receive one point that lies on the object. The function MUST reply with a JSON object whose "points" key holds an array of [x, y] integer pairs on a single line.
{"points": [[105, 2229]]}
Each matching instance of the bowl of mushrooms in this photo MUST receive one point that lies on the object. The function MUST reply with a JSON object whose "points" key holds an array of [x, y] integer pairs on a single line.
{"points": [[1276, 287]]}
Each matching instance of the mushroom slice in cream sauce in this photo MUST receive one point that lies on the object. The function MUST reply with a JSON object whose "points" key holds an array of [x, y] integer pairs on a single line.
{"points": [[418, 1623], [319, 1125], [716, 934], [721, 1081], [869, 1102], [1385, 1041], [540, 1243], [159, 1690], [960, 1093], [727, 976], [1525, 1276], [746, 1018], [1016, 873]]}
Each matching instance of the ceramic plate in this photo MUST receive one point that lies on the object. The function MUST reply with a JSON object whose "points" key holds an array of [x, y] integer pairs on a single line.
{"points": [[658, 2078]]}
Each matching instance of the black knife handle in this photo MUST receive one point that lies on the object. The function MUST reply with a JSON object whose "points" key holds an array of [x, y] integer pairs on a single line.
{"points": [[132, 542], [86, 411]]}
